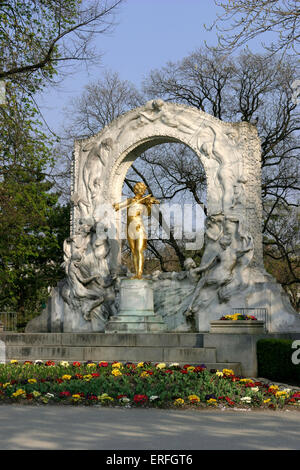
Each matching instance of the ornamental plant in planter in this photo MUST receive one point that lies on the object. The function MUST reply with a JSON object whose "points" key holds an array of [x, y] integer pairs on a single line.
{"points": [[237, 323]]}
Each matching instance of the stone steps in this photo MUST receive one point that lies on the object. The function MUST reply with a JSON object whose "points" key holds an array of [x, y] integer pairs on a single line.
{"points": [[184, 348]]}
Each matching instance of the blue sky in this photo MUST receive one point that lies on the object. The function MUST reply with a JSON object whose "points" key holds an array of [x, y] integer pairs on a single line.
{"points": [[148, 34]]}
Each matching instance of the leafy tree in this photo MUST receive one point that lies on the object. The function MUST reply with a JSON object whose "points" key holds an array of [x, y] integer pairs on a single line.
{"points": [[32, 224], [37, 37]]}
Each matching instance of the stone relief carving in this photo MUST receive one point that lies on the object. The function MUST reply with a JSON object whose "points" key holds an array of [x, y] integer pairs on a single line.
{"points": [[228, 251], [92, 177], [156, 111], [223, 147], [90, 284]]}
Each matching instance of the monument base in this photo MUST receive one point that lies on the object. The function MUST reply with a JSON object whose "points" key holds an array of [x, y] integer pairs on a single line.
{"points": [[136, 312]]}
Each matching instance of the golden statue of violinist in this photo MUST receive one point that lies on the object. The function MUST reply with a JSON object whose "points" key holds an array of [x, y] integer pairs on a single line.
{"points": [[137, 206]]}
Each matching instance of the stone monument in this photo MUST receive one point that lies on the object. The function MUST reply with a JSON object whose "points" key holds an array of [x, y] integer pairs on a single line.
{"points": [[231, 273]]}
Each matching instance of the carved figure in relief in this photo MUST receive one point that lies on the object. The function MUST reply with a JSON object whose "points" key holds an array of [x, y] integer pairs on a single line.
{"points": [[223, 263], [155, 110], [90, 287], [221, 146], [93, 168]]}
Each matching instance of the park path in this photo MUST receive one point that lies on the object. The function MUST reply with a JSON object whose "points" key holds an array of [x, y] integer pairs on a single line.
{"points": [[96, 428]]}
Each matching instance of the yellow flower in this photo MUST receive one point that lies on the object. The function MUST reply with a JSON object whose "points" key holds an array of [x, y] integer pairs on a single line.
{"points": [[179, 401], [91, 364], [212, 401], [219, 373], [194, 398], [76, 397], [145, 374], [32, 381], [87, 377], [140, 364], [7, 384], [14, 361], [274, 387], [248, 381], [66, 377], [190, 368], [117, 365], [104, 397], [228, 372], [36, 394], [161, 365], [19, 393], [267, 400], [116, 372], [282, 393]]}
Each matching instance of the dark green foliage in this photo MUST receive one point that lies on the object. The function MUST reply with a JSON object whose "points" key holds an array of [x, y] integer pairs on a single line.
{"points": [[274, 357]]}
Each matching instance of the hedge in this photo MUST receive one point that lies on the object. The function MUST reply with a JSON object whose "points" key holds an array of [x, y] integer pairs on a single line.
{"points": [[274, 360]]}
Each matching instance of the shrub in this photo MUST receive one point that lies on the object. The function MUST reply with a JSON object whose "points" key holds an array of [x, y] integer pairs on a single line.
{"points": [[274, 358]]}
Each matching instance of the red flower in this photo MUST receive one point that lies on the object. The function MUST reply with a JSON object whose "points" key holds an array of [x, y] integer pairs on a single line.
{"points": [[50, 363], [95, 374], [168, 371], [59, 381], [130, 365], [78, 376], [76, 364], [29, 396], [103, 364], [140, 399], [93, 397], [186, 366], [199, 369], [296, 395], [65, 394], [230, 402], [184, 371], [121, 396]]}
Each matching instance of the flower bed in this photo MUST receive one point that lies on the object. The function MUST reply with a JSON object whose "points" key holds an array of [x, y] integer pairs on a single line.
{"points": [[142, 384], [238, 316]]}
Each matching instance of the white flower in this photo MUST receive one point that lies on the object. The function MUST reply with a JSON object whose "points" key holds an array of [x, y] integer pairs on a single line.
{"points": [[174, 364], [124, 400], [38, 361], [64, 363], [255, 389], [286, 390], [246, 399], [153, 397], [49, 395]]}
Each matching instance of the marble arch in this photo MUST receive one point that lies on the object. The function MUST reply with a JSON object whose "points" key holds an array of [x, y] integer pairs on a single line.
{"points": [[229, 153]]}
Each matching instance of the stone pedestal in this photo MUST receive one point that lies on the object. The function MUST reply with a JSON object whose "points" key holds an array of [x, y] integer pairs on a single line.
{"points": [[249, 327], [136, 312]]}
